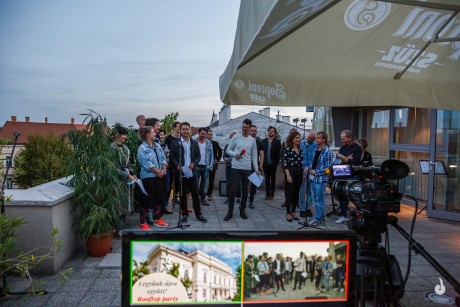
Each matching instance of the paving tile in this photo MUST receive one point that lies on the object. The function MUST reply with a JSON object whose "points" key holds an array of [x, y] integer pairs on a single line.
{"points": [[92, 261], [110, 273], [52, 283], [25, 300], [66, 298], [98, 299], [89, 272], [116, 299], [105, 284], [82, 284]]}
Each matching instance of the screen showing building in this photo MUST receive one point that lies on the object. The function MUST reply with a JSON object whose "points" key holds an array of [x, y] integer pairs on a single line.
{"points": [[186, 272]]}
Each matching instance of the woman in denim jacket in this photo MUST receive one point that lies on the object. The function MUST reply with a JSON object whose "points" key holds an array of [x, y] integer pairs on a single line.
{"points": [[152, 161]]}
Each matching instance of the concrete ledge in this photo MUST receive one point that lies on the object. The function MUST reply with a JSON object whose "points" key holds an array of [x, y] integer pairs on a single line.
{"points": [[44, 207], [110, 261], [47, 194]]}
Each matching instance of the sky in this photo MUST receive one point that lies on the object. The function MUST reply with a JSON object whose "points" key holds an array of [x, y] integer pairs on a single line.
{"points": [[287, 249], [228, 252], [121, 58]]}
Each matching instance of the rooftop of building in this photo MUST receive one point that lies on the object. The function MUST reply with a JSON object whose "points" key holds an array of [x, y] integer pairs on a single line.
{"points": [[27, 127]]}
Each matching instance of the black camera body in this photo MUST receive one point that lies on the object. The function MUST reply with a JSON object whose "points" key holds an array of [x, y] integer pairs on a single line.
{"points": [[372, 193]]}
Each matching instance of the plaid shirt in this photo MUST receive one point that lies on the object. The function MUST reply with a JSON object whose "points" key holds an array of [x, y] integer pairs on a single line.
{"points": [[325, 160], [209, 158]]}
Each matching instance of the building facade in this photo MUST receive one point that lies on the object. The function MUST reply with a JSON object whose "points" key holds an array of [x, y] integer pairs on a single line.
{"points": [[212, 279]]}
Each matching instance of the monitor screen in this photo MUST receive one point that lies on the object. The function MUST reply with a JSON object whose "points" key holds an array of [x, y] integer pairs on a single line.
{"points": [[341, 170], [257, 269]]}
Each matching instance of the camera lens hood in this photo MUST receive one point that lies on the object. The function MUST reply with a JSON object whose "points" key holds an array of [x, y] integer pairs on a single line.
{"points": [[394, 169]]}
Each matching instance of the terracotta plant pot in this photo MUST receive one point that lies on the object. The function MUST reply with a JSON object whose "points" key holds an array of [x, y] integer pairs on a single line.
{"points": [[99, 247]]}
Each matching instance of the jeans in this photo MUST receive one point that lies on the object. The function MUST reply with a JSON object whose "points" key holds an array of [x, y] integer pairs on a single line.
{"points": [[305, 204], [202, 178], [319, 193], [327, 281]]}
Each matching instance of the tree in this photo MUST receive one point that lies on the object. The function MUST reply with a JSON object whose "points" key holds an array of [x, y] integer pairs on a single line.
{"points": [[42, 160], [140, 270], [166, 123], [237, 296]]}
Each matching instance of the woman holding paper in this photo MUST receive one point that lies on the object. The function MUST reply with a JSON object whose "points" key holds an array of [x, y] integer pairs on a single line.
{"points": [[292, 163]]}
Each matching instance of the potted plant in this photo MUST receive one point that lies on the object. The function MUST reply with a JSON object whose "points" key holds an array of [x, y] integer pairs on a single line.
{"points": [[97, 190]]}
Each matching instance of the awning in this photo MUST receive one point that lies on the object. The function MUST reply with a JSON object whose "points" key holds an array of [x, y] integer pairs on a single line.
{"points": [[345, 53]]}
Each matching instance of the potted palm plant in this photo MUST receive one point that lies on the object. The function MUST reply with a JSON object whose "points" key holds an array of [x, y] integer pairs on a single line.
{"points": [[97, 190]]}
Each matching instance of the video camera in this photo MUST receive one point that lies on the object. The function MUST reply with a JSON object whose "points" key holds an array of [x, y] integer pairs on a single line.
{"points": [[368, 187], [370, 190]]}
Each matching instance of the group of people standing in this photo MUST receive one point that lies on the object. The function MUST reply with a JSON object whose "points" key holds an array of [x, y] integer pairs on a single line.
{"points": [[307, 172], [261, 275], [164, 160], [191, 165]]}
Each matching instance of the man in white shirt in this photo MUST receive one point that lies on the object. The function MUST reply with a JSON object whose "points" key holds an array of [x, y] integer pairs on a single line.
{"points": [[205, 165], [243, 149], [299, 268], [184, 157]]}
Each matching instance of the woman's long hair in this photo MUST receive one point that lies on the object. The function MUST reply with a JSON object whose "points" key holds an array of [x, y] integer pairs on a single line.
{"points": [[290, 138]]}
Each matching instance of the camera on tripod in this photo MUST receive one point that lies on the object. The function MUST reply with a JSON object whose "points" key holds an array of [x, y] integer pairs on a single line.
{"points": [[370, 190], [369, 187], [374, 195]]}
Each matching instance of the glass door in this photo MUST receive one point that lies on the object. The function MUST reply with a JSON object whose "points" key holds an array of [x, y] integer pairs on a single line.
{"points": [[444, 168]]}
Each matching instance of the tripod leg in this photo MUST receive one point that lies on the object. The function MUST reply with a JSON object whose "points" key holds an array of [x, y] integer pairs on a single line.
{"points": [[334, 210]]}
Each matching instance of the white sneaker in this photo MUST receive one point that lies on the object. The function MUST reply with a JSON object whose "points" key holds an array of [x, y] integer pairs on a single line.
{"points": [[341, 220]]}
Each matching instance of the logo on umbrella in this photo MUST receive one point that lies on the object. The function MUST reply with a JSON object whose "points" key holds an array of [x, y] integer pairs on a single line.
{"points": [[365, 14], [239, 84]]}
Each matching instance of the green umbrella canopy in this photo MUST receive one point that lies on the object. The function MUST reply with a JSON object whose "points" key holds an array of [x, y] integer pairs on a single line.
{"points": [[345, 53]]}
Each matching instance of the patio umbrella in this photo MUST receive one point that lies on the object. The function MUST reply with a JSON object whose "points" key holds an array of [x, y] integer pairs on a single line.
{"points": [[322, 121], [345, 53]]}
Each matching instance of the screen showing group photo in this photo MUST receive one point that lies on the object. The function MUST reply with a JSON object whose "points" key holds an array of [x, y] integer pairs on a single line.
{"points": [[294, 271], [279, 269]]}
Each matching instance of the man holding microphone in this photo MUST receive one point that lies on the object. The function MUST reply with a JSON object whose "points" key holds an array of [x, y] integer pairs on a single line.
{"points": [[243, 149]]}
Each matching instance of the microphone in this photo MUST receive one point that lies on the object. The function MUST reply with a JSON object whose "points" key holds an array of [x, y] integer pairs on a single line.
{"points": [[242, 152]]}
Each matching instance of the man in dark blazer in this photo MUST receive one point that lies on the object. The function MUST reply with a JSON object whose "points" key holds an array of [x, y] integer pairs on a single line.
{"points": [[217, 151], [278, 268], [272, 150], [184, 157]]}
